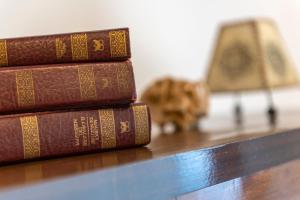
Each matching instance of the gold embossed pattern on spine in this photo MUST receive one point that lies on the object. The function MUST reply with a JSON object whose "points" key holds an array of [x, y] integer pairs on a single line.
{"points": [[3, 53], [140, 114], [87, 83], [25, 88], [124, 79], [107, 124], [79, 47], [31, 138], [61, 48], [117, 43]]}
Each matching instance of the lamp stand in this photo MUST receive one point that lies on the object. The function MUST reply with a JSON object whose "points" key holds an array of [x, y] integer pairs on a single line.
{"points": [[238, 112], [272, 111]]}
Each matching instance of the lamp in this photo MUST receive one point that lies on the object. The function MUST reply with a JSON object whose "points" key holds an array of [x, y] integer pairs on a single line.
{"points": [[250, 55]]}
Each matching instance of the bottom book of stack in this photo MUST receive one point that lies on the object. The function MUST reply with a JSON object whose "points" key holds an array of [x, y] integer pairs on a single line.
{"points": [[54, 134]]}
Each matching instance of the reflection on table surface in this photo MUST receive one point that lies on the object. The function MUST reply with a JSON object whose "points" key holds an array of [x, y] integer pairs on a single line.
{"points": [[276, 183]]}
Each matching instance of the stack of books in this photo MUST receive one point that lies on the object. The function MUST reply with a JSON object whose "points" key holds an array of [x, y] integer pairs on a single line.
{"points": [[68, 94]]}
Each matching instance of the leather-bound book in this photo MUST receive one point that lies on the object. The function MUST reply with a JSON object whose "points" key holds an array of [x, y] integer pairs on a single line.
{"points": [[105, 45], [48, 87], [55, 134]]}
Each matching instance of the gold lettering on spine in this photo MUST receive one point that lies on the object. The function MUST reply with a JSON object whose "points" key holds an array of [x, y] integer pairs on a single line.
{"points": [[87, 83], [117, 43], [60, 48], [31, 138], [107, 124], [86, 131], [25, 88], [3, 53], [142, 134], [79, 47]]}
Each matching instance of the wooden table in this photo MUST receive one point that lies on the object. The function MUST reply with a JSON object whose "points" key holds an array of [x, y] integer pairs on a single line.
{"points": [[217, 162]]}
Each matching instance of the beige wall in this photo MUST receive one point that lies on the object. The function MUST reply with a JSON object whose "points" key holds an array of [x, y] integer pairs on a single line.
{"points": [[169, 37]]}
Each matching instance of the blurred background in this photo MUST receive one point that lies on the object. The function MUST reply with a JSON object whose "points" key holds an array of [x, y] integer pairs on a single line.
{"points": [[170, 37]]}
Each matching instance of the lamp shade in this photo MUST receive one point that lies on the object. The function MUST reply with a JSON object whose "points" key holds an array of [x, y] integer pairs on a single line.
{"points": [[250, 55]]}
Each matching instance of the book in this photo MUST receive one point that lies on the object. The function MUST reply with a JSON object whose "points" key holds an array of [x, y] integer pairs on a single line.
{"points": [[48, 87], [103, 45], [61, 133]]}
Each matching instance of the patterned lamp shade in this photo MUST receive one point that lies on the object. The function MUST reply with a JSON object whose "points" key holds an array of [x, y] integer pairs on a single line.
{"points": [[250, 55]]}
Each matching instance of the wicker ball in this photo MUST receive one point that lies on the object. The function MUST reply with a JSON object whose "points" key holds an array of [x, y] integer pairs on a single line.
{"points": [[179, 102]]}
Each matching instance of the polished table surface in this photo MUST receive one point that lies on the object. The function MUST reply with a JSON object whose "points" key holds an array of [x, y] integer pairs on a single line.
{"points": [[215, 134], [276, 183]]}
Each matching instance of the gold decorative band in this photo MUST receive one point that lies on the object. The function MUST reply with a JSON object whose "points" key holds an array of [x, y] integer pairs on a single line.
{"points": [[108, 132], [142, 134], [79, 47], [31, 138], [25, 88], [124, 79], [3, 53], [87, 83], [117, 43]]}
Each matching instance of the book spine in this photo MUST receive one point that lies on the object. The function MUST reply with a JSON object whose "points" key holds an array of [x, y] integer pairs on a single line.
{"points": [[106, 45], [45, 135], [43, 87]]}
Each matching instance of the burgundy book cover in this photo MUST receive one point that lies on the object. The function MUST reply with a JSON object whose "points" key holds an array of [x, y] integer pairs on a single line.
{"points": [[104, 45], [55, 134], [48, 87]]}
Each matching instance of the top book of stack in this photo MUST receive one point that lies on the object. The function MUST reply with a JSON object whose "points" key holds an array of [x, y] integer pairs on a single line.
{"points": [[95, 46]]}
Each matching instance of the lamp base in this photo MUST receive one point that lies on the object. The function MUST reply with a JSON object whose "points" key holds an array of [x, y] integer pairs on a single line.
{"points": [[272, 115], [238, 114]]}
